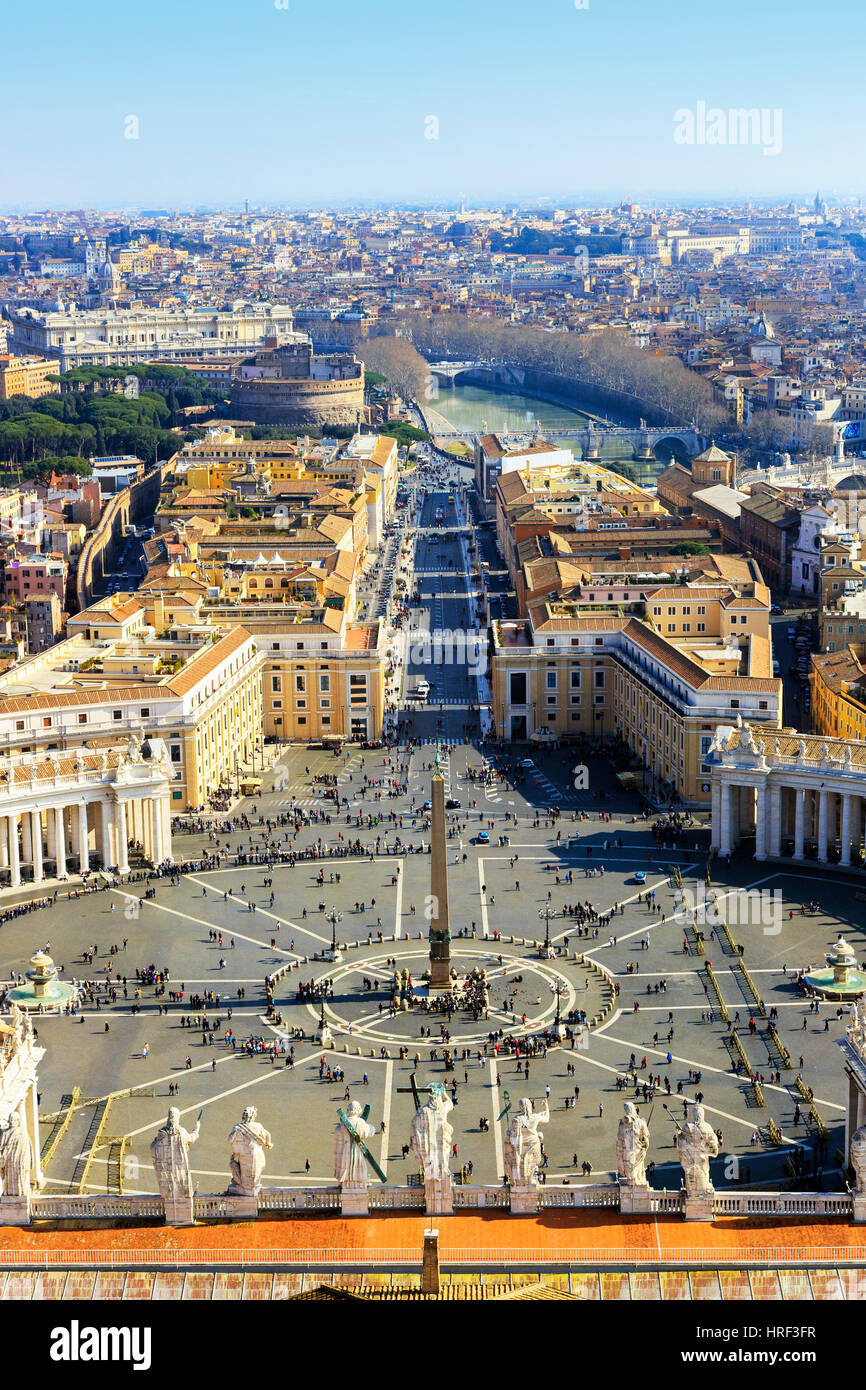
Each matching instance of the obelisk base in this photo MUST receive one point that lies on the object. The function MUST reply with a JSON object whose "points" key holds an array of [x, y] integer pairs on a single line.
{"points": [[440, 974]]}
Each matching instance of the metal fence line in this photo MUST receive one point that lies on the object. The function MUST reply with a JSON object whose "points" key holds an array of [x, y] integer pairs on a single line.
{"points": [[472, 1256]]}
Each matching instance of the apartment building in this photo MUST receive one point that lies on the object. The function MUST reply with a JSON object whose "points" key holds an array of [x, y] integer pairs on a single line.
{"points": [[26, 376], [564, 671], [112, 676]]}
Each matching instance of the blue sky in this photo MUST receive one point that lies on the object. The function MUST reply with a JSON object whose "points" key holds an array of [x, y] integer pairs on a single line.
{"points": [[327, 101]]}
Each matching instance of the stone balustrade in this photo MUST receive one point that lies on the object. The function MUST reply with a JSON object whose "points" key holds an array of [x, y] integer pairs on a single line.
{"points": [[299, 1199], [80, 1206], [96, 1208], [470, 1196]]}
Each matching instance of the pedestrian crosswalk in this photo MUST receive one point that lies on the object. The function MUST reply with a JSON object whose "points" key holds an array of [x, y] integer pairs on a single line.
{"points": [[554, 795]]}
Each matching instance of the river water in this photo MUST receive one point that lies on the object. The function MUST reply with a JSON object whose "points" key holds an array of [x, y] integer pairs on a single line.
{"points": [[502, 412]]}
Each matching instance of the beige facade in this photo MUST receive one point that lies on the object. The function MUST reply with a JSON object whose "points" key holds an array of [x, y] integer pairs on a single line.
{"points": [[201, 695], [566, 673]]}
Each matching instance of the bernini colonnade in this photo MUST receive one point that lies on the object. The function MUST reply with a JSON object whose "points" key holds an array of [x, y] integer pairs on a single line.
{"points": [[792, 792], [60, 811]]}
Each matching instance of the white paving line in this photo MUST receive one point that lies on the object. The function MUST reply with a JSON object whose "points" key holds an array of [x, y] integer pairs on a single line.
{"points": [[265, 912], [484, 927], [386, 1116], [398, 910], [202, 922], [202, 1105], [494, 1119], [703, 1066]]}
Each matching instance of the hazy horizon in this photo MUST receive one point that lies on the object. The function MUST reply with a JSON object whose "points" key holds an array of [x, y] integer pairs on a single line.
{"points": [[339, 104]]}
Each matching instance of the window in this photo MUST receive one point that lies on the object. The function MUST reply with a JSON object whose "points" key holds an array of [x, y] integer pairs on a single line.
{"points": [[324, 683], [175, 752], [735, 704], [550, 680], [518, 688], [276, 682], [702, 608], [598, 680], [19, 724], [117, 715], [702, 627], [145, 713], [46, 722], [301, 684], [82, 718], [574, 679]]}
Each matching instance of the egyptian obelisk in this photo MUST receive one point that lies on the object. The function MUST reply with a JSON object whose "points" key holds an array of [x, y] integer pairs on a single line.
{"points": [[440, 930]]}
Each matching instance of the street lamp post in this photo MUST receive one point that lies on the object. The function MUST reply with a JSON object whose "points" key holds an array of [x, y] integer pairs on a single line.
{"points": [[545, 913], [558, 1029], [334, 918], [323, 1032]]}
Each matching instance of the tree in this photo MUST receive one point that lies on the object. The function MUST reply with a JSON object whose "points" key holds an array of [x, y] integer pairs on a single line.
{"points": [[398, 361]]}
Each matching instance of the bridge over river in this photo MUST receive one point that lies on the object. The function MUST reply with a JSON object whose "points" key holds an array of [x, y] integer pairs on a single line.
{"points": [[596, 437]]}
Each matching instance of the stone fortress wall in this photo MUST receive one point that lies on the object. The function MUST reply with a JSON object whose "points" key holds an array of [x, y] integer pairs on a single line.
{"points": [[300, 401]]}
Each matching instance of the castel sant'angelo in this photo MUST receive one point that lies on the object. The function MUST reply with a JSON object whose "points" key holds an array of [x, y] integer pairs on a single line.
{"points": [[287, 384]]}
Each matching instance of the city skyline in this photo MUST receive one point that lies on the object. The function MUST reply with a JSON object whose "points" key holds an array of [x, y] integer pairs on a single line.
{"points": [[306, 105]]}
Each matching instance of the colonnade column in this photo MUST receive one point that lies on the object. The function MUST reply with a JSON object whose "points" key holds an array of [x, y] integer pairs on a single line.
{"points": [[83, 840], [716, 813], [14, 854], [856, 827], [725, 846], [823, 810], [775, 843], [105, 840], [145, 816], [4, 842], [845, 858], [761, 822], [799, 822], [120, 837], [157, 850], [36, 844], [60, 841], [26, 838]]}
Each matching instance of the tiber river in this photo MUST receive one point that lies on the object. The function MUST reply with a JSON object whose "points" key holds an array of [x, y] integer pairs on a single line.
{"points": [[501, 412]]}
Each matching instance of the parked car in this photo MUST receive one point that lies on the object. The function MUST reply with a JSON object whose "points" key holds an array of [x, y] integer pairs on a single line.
{"points": [[483, 837]]}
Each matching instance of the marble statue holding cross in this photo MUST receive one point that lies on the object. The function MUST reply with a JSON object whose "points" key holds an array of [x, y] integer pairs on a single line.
{"points": [[430, 1140]]}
